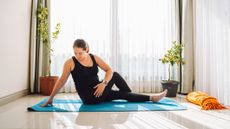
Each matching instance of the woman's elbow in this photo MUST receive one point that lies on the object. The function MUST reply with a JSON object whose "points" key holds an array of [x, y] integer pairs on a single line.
{"points": [[109, 70]]}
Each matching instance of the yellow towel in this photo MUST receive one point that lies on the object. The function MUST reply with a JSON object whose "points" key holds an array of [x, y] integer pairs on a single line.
{"points": [[204, 100]]}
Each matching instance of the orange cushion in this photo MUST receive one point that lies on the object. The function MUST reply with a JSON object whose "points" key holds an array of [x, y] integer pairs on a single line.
{"points": [[204, 100]]}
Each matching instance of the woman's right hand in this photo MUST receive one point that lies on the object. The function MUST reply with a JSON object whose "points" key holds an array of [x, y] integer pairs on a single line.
{"points": [[50, 101], [60, 82]]}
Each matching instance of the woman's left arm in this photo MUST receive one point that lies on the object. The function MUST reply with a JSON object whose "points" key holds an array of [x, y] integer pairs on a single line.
{"points": [[104, 66], [108, 75]]}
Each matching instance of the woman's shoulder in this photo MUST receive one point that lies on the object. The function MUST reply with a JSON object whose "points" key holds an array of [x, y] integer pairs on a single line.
{"points": [[91, 54], [69, 62], [94, 56], [97, 58]]}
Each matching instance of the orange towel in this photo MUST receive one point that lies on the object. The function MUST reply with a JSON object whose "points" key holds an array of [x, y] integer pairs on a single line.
{"points": [[204, 100]]}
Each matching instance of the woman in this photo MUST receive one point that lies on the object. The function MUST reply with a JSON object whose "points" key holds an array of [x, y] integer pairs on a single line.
{"points": [[84, 69]]}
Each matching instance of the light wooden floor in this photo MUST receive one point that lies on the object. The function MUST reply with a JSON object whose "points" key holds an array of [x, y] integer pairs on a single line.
{"points": [[15, 116]]}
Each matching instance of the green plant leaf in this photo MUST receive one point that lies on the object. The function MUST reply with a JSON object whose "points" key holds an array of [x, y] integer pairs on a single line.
{"points": [[43, 34], [173, 55]]}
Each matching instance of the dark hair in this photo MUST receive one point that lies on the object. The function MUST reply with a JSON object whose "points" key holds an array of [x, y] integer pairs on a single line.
{"points": [[80, 43]]}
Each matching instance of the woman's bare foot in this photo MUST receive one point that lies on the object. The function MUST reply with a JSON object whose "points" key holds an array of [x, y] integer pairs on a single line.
{"points": [[159, 96]]}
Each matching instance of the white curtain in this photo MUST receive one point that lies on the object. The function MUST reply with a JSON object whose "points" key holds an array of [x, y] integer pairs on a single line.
{"points": [[146, 30], [212, 48], [130, 35]]}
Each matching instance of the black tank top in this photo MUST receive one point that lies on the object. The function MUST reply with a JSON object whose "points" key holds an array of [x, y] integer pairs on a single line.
{"points": [[85, 77]]}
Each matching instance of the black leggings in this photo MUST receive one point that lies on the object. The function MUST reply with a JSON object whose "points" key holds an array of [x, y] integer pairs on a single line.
{"points": [[109, 94], [123, 93]]}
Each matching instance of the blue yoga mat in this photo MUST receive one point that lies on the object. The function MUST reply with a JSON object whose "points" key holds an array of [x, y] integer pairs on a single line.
{"points": [[60, 105]]}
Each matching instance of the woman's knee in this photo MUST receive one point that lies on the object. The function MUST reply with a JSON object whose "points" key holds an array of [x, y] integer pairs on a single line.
{"points": [[116, 74], [118, 77]]}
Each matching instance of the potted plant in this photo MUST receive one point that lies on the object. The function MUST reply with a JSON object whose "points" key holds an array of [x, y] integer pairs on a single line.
{"points": [[47, 82], [173, 56]]}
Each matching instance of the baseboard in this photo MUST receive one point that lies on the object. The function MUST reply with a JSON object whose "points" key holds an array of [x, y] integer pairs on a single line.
{"points": [[12, 97]]}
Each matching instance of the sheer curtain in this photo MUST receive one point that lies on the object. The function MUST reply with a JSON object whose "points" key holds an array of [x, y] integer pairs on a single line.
{"points": [[146, 30], [130, 35], [212, 46]]}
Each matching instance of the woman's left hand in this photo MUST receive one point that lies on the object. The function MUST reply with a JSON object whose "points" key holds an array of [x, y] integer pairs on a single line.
{"points": [[100, 89]]}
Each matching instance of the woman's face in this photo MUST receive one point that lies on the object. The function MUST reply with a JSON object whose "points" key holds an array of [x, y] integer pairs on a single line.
{"points": [[80, 53]]}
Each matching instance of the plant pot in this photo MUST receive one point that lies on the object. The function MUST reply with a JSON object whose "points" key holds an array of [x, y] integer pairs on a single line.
{"points": [[47, 84], [171, 86]]}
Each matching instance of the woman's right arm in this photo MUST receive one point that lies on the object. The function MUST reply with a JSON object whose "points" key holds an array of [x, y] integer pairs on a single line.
{"points": [[60, 82]]}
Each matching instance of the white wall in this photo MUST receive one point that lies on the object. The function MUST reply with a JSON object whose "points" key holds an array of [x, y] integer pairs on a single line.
{"points": [[14, 45]]}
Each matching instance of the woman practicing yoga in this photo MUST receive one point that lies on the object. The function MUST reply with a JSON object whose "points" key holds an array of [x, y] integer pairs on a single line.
{"points": [[84, 69]]}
